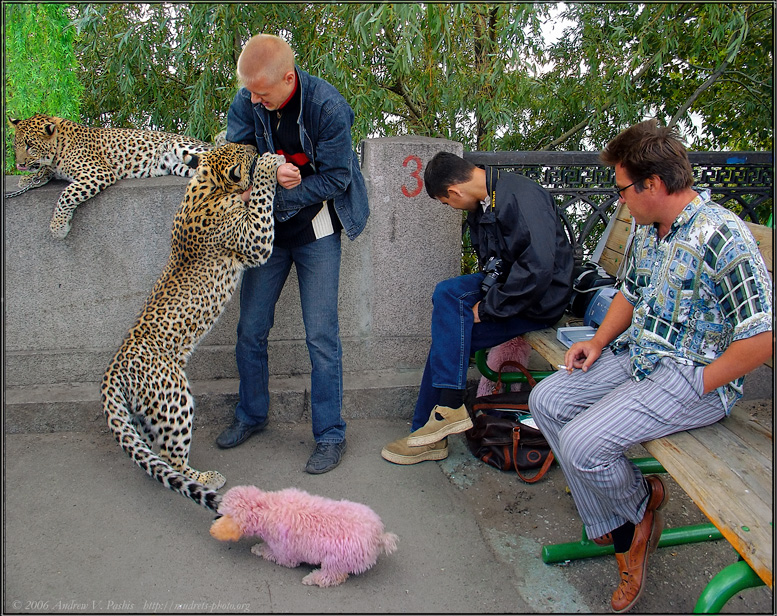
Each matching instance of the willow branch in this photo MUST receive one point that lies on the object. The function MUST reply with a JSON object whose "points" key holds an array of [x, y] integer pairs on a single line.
{"points": [[710, 80]]}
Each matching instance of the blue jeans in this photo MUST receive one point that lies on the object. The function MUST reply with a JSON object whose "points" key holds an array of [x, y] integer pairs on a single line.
{"points": [[318, 272], [455, 336]]}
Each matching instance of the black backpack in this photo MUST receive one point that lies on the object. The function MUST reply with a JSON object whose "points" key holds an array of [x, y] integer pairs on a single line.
{"points": [[588, 278]]}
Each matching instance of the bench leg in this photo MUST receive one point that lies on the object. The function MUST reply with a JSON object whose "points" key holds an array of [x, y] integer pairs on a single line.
{"points": [[585, 548], [648, 466], [507, 377], [671, 536], [725, 585]]}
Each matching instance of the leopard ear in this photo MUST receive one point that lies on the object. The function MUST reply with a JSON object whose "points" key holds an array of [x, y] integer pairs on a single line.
{"points": [[234, 174], [50, 128], [13, 122]]}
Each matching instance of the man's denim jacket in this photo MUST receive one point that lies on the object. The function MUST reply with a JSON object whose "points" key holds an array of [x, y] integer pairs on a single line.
{"points": [[325, 133]]}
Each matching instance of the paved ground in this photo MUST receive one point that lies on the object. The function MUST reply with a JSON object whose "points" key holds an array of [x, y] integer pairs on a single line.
{"points": [[87, 532]]}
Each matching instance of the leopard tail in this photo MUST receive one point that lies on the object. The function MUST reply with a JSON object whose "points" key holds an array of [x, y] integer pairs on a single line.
{"points": [[117, 414]]}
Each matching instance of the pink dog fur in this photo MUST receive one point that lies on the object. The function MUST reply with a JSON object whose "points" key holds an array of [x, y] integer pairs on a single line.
{"points": [[297, 527], [516, 349]]}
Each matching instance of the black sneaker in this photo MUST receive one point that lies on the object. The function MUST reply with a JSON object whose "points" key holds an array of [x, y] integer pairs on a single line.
{"points": [[238, 432], [326, 457]]}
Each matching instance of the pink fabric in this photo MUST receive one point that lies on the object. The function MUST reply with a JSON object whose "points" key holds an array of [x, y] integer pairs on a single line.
{"points": [[516, 349]]}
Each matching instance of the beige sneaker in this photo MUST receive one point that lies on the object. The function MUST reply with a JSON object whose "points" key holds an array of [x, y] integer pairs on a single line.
{"points": [[451, 421], [398, 452]]}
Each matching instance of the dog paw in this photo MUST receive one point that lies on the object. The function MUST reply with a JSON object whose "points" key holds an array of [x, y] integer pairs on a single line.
{"points": [[265, 551], [258, 550], [324, 579]]}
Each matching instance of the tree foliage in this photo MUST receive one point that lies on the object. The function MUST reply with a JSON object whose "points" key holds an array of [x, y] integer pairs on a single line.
{"points": [[481, 74], [618, 63], [38, 82]]}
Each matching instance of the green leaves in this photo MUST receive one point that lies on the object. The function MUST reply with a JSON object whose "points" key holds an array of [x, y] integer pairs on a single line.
{"points": [[40, 64], [481, 74]]}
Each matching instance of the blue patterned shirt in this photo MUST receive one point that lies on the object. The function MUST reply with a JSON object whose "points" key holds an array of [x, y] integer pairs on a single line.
{"points": [[695, 291]]}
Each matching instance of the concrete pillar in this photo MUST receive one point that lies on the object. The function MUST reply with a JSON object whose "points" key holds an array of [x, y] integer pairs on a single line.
{"points": [[415, 242]]}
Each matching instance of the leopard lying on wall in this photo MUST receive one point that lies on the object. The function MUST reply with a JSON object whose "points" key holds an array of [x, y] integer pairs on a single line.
{"points": [[94, 158], [146, 396]]}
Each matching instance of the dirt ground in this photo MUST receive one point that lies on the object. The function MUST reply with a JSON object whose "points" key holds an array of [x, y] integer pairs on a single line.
{"points": [[515, 514]]}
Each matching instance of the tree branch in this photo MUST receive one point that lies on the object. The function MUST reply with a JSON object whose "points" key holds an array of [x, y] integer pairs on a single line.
{"points": [[578, 127], [710, 80]]}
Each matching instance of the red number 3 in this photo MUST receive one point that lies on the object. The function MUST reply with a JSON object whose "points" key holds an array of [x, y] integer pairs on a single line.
{"points": [[415, 174]]}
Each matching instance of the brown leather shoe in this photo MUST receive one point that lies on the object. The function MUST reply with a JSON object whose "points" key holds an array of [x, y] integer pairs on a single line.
{"points": [[632, 565], [658, 494], [658, 498]]}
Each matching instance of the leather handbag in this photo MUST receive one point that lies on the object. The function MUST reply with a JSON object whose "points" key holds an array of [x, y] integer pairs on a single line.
{"points": [[500, 435]]}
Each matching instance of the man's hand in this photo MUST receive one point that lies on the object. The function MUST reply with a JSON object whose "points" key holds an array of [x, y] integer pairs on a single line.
{"points": [[581, 355], [476, 313], [289, 175], [738, 359]]}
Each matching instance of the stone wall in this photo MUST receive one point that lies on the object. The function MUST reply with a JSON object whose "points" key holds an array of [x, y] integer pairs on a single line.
{"points": [[68, 303]]}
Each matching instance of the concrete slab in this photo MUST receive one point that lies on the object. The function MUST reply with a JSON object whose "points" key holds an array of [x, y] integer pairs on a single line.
{"points": [[85, 531]]}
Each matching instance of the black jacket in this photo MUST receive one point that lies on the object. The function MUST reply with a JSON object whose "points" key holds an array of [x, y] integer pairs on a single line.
{"points": [[521, 227]]}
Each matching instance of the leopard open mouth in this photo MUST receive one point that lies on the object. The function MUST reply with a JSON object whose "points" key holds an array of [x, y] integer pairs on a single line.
{"points": [[32, 166]]}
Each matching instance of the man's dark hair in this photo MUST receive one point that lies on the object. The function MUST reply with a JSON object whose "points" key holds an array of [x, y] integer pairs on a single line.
{"points": [[445, 170], [647, 149]]}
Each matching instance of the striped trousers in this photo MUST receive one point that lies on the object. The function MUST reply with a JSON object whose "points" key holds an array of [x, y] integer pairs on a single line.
{"points": [[592, 418]]}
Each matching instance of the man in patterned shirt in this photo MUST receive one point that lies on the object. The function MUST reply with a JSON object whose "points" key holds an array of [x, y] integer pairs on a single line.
{"points": [[693, 316]]}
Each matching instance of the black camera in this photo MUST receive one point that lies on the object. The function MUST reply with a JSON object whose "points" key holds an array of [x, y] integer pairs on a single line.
{"points": [[494, 271]]}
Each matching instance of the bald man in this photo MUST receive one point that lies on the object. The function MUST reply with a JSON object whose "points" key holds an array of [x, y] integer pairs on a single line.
{"points": [[321, 193]]}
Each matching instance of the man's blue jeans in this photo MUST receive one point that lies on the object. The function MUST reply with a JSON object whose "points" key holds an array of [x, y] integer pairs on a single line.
{"points": [[318, 272], [455, 336]]}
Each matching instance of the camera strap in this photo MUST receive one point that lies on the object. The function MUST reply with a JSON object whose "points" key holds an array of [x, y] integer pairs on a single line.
{"points": [[496, 244], [493, 188]]}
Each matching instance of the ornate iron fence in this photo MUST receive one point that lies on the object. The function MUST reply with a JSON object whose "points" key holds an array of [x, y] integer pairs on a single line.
{"points": [[582, 185]]}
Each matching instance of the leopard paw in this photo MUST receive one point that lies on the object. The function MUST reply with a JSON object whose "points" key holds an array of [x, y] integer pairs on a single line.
{"points": [[212, 479]]}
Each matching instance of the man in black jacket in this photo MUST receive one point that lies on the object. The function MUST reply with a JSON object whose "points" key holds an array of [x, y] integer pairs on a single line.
{"points": [[526, 285]]}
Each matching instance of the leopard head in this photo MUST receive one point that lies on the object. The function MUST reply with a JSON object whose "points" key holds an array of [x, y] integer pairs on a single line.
{"points": [[227, 167], [234, 167], [35, 141]]}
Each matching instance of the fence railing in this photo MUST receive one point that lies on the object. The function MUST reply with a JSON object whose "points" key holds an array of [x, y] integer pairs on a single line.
{"points": [[583, 187]]}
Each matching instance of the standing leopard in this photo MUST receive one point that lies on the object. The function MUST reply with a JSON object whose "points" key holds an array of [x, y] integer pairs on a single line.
{"points": [[146, 396], [94, 158]]}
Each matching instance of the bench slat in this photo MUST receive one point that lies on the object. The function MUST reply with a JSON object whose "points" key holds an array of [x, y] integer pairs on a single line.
{"points": [[752, 468], [544, 341], [731, 504], [753, 433], [763, 235], [610, 260]]}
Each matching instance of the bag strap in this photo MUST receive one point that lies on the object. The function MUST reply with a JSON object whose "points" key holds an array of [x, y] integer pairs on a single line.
{"points": [[620, 275], [519, 366], [545, 465]]}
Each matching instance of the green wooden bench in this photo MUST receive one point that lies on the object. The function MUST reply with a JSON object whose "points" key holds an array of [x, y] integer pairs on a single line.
{"points": [[725, 468]]}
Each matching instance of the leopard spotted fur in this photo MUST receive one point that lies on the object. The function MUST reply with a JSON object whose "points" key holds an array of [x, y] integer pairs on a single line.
{"points": [[146, 396], [94, 158]]}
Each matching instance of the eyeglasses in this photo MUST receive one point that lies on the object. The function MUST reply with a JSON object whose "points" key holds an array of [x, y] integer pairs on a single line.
{"points": [[620, 190]]}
